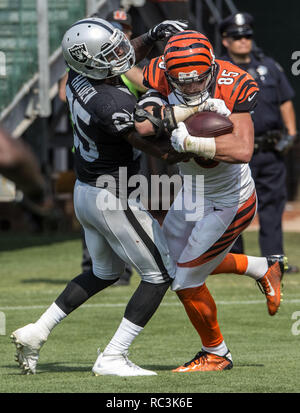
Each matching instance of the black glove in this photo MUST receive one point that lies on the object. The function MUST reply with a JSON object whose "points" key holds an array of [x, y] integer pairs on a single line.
{"points": [[285, 143], [165, 29]]}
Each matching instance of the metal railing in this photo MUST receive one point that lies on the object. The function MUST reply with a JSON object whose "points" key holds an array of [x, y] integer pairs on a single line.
{"points": [[31, 62]]}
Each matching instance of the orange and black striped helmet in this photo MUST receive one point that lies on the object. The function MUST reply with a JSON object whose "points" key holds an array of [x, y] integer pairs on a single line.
{"points": [[189, 57]]}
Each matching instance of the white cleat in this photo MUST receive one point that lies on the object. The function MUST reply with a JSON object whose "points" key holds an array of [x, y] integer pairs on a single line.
{"points": [[118, 365], [28, 341]]}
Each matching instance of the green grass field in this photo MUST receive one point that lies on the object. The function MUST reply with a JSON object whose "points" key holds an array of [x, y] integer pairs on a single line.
{"points": [[35, 269]]}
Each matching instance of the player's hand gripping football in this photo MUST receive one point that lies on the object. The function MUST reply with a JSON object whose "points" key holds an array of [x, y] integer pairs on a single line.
{"points": [[178, 137], [166, 29], [215, 105]]}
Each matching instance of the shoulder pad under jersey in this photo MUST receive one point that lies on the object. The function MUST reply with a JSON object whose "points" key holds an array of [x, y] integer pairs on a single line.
{"points": [[236, 87]]}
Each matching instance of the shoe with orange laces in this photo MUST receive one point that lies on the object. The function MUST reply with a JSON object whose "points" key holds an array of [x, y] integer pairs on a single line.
{"points": [[270, 283], [204, 361]]}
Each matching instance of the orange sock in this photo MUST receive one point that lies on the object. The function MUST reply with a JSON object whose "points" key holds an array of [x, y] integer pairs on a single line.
{"points": [[202, 311], [232, 263]]}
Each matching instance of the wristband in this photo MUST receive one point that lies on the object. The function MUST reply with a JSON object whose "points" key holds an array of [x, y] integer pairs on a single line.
{"points": [[182, 112], [200, 146], [147, 39]]}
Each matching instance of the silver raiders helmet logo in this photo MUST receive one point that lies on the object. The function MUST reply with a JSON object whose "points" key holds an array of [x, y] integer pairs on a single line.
{"points": [[76, 52]]}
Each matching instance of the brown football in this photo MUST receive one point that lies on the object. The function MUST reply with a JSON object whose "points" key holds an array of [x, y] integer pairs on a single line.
{"points": [[208, 125]]}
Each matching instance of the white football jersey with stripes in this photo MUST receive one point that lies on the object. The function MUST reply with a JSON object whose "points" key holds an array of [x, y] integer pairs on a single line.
{"points": [[224, 183]]}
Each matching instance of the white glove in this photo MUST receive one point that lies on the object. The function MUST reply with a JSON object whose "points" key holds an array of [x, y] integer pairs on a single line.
{"points": [[215, 105], [182, 141], [178, 136]]}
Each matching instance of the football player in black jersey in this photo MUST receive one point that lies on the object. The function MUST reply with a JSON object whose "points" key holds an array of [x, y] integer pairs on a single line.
{"points": [[101, 109]]}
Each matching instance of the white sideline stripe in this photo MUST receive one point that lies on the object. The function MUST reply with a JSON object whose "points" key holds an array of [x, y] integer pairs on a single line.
{"points": [[249, 302]]}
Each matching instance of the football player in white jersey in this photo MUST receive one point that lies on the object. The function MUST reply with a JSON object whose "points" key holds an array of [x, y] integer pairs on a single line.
{"points": [[101, 108], [187, 79]]}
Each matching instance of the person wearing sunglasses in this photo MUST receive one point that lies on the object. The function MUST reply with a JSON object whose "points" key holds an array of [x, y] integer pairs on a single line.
{"points": [[274, 125]]}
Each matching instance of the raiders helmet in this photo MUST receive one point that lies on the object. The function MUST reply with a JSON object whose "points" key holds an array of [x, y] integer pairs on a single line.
{"points": [[96, 49]]}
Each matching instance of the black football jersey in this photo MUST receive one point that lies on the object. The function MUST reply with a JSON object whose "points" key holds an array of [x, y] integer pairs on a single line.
{"points": [[102, 115]]}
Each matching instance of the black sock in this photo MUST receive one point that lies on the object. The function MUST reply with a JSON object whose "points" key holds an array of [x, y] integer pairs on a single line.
{"points": [[79, 290], [144, 302]]}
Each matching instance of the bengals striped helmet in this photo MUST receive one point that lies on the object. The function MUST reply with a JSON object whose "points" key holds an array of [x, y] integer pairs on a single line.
{"points": [[188, 57]]}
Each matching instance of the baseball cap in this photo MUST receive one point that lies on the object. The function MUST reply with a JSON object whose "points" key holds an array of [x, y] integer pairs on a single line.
{"points": [[120, 16]]}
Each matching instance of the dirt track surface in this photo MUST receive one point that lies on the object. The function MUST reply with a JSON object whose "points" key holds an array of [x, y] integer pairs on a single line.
{"points": [[291, 218]]}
